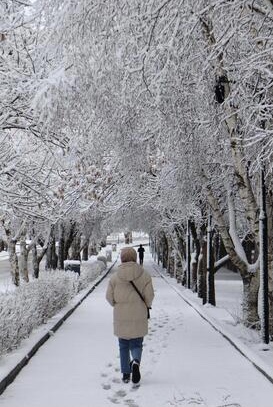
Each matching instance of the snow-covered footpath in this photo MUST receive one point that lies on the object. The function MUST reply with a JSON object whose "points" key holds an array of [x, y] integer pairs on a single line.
{"points": [[185, 360]]}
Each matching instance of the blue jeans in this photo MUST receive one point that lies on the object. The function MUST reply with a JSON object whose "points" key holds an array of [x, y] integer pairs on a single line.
{"points": [[129, 347]]}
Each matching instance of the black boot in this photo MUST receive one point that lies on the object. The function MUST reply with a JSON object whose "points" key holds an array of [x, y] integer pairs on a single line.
{"points": [[135, 371], [126, 377]]}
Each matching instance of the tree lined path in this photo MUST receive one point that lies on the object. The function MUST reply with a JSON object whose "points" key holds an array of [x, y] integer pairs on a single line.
{"points": [[185, 361], [141, 115]]}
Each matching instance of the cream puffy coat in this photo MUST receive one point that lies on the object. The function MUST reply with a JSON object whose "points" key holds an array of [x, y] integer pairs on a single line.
{"points": [[130, 312]]}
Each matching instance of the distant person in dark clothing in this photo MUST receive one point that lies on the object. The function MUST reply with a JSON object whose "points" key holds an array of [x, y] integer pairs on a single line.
{"points": [[141, 251]]}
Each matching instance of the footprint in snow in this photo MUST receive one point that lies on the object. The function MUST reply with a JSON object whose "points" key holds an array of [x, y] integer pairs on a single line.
{"points": [[113, 400], [116, 380], [120, 393], [130, 403], [106, 386]]}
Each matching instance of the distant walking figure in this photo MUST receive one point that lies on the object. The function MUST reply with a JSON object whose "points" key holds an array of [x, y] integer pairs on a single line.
{"points": [[130, 311], [141, 251]]}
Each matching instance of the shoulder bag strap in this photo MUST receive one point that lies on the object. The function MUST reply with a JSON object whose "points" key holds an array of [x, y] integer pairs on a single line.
{"points": [[141, 296], [137, 290]]}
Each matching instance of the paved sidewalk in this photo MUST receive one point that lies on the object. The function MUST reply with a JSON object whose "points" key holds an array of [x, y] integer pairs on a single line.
{"points": [[185, 362]]}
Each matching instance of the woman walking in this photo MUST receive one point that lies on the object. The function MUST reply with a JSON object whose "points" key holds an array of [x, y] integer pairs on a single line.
{"points": [[130, 291]]}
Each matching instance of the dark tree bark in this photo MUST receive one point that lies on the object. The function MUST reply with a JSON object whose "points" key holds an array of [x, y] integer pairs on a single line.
{"points": [[69, 239], [51, 256], [76, 248], [35, 263], [165, 251], [61, 247], [202, 272], [84, 248]]}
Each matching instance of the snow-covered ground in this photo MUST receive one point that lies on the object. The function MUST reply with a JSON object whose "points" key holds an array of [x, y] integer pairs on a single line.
{"points": [[185, 360], [226, 317]]}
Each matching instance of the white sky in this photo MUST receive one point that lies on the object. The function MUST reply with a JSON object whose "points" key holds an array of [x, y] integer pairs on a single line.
{"points": [[185, 361]]}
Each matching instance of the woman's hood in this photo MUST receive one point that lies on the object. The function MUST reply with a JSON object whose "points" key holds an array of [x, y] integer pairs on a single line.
{"points": [[129, 271]]}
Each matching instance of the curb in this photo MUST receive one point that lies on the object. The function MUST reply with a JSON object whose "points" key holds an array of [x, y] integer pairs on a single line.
{"points": [[236, 343], [9, 378]]}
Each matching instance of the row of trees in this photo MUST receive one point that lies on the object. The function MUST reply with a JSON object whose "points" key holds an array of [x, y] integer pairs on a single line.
{"points": [[137, 115]]}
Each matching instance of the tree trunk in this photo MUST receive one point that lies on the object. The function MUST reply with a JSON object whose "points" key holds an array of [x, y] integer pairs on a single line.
{"points": [[194, 262], [13, 262], [54, 254], [202, 272], [170, 261], [165, 251], [51, 257], [23, 268], [92, 249], [39, 259], [61, 251], [194, 276], [180, 255], [270, 257], [69, 239], [48, 264], [76, 248], [84, 250], [35, 263], [270, 291], [154, 248], [127, 237], [250, 301], [245, 190]]}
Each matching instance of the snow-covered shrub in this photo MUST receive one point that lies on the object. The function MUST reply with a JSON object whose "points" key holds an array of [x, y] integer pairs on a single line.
{"points": [[32, 304], [89, 272], [102, 258]]}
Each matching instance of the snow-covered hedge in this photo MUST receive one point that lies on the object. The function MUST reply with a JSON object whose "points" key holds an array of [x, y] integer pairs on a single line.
{"points": [[102, 258], [32, 304], [90, 271]]}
